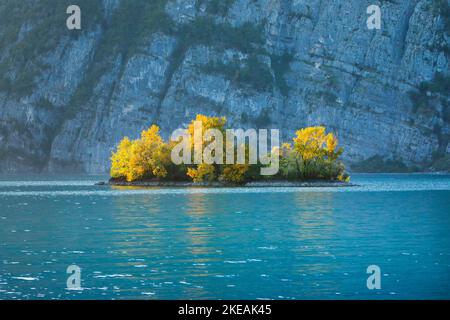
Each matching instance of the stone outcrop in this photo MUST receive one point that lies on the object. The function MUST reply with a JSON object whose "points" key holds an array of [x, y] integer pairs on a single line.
{"points": [[68, 97]]}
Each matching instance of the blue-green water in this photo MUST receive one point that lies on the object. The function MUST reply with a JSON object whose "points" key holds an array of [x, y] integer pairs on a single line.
{"points": [[265, 243]]}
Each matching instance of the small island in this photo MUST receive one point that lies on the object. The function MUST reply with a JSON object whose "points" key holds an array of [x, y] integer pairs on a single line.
{"points": [[194, 159], [220, 184]]}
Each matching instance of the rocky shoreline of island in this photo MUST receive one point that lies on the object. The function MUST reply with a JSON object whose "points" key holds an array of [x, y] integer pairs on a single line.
{"points": [[218, 184]]}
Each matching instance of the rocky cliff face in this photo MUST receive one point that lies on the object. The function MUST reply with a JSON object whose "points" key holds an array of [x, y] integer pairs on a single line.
{"points": [[68, 97]]}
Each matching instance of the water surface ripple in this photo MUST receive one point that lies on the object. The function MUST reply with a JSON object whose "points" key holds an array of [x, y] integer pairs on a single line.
{"points": [[226, 243]]}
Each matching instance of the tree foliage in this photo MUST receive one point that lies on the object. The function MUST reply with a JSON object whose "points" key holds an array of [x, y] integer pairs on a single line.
{"points": [[313, 154], [147, 157]]}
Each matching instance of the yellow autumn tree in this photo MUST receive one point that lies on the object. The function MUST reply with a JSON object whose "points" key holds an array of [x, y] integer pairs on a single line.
{"points": [[313, 143], [234, 173], [147, 157], [207, 123], [153, 152], [120, 160], [331, 144], [316, 154], [204, 172]]}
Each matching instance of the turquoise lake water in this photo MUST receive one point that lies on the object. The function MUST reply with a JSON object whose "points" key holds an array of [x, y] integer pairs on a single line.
{"points": [[259, 243]]}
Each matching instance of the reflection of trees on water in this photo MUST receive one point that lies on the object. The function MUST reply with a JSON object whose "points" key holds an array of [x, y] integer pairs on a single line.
{"points": [[136, 229], [200, 232], [171, 232], [314, 216], [316, 236], [191, 233]]}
